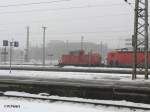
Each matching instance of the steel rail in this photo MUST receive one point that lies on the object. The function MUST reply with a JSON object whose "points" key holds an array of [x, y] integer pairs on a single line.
{"points": [[77, 101]]}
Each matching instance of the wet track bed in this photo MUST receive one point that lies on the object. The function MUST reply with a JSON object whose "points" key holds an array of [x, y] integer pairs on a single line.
{"points": [[103, 89]]}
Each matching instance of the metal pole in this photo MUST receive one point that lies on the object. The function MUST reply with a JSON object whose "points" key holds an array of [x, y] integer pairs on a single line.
{"points": [[134, 40], [140, 37], [5, 55], [67, 46], [146, 39], [90, 58], [10, 56], [82, 42], [44, 28], [27, 46], [51, 59], [101, 45], [101, 52]]}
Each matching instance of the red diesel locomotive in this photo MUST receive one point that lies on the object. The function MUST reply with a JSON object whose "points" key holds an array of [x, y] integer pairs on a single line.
{"points": [[79, 58], [124, 58], [117, 58]]}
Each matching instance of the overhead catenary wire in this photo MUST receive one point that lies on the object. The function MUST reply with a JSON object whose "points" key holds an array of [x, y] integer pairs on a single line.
{"points": [[69, 8], [88, 6], [59, 9], [70, 19], [82, 32], [33, 3], [55, 1]]}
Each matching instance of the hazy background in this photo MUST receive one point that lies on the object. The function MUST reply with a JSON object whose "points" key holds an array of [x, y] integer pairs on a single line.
{"points": [[109, 21], [104, 24]]}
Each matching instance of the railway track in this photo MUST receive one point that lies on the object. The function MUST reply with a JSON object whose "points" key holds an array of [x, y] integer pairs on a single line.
{"points": [[85, 70], [78, 101], [138, 91], [61, 69]]}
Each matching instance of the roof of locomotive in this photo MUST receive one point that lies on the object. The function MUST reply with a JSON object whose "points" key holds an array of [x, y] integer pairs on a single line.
{"points": [[76, 52], [122, 51], [126, 50]]}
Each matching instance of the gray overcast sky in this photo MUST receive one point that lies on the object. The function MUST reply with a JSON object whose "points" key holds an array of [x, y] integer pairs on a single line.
{"points": [[109, 21]]}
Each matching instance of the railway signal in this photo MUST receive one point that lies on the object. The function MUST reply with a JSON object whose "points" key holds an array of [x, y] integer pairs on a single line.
{"points": [[12, 44], [5, 53], [16, 44], [5, 42]]}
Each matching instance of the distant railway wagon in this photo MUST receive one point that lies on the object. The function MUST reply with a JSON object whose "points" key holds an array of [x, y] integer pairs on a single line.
{"points": [[79, 58], [124, 58]]}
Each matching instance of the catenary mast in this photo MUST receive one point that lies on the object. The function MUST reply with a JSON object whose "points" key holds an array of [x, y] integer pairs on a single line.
{"points": [[140, 37]]}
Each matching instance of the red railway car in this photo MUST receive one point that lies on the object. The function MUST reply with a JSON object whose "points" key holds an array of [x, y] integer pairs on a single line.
{"points": [[79, 58], [124, 58]]}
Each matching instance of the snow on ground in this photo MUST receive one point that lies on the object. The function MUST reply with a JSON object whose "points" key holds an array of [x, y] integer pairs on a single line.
{"points": [[30, 105], [54, 75], [97, 68], [46, 95], [71, 67], [70, 75], [45, 106]]}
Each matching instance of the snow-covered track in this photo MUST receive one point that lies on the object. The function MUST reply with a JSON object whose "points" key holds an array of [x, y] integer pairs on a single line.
{"points": [[138, 91], [69, 69], [78, 101]]}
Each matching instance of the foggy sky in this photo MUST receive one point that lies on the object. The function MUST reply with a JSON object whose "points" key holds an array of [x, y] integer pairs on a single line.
{"points": [[105, 21]]}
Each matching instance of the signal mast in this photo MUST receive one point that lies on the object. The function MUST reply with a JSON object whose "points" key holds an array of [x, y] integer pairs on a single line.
{"points": [[140, 37]]}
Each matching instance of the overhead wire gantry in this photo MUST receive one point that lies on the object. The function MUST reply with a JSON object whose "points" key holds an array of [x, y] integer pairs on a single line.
{"points": [[140, 38]]}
